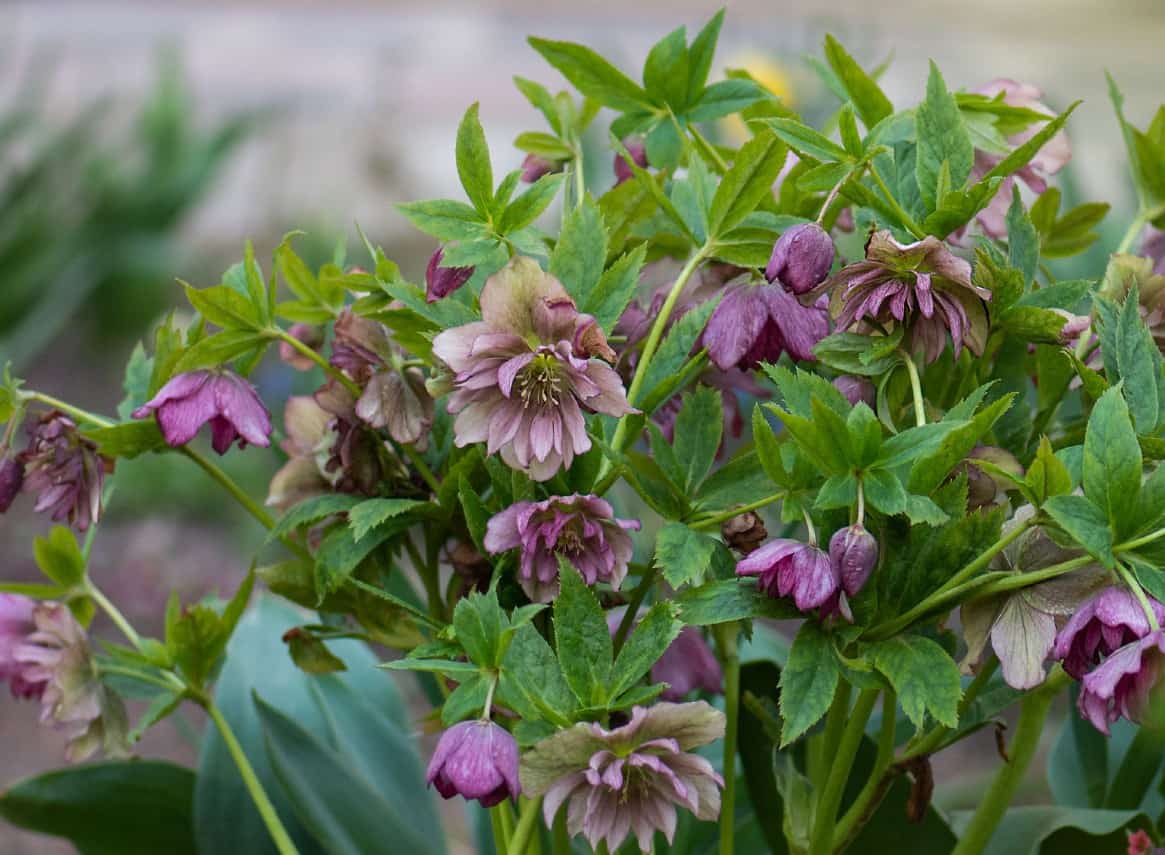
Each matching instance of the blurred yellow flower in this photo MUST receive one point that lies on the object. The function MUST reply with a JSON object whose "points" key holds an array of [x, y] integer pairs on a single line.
{"points": [[768, 72]]}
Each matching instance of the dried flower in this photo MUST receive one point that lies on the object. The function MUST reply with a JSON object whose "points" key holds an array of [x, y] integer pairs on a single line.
{"points": [[57, 656], [638, 152], [523, 374], [1111, 619], [311, 335], [1120, 685], [787, 567], [757, 323], [801, 259], [64, 470], [582, 529], [631, 778], [476, 760], [921, 285], [397, 400], [222, 398], [16, 624], [744, 532], [441, 281], [686, 665]]}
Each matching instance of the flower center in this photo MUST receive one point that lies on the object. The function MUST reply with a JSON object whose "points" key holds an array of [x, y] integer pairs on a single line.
{"points": [[541, 382]]}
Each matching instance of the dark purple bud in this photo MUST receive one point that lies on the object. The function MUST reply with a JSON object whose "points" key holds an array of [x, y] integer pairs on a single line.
{"points": [[856, 389], [744, 532], [638, 152], [534, 167], [801, 258], [853, 552], [11, 479], [443, 281], [310, 335], [476, 760]]}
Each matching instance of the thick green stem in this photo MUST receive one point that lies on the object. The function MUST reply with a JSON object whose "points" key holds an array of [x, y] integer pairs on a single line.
{"points": [[1033, 712], [525, 827], [1145, 540], [228, 483], [730, 660], [915, 390], [831, 736], [854, 818], [75, 413], [501, 842], [841, 761], [279, 835], [717, 518], [1012, 581]]}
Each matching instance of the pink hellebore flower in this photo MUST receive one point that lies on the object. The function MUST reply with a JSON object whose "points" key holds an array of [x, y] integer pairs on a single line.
{"points": [[756, 323], [1120, 685], [801, 259], [476, 760], [16, 624], [523, 375], [787, 567], [442, 281], [222, 398], [1111, 619], [630, 779], [686, 665], [582, 529]]}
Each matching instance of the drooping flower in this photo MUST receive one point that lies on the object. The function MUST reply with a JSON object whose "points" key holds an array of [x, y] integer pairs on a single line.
{"points": [[361, 346], [686, 665], [304, 475], [854, 552], [476, 760], [64, 470], [757, 322], [396, 399], [1111, 619], [535, 167], [358, 460], [801, 259], [441, 281], [790, 567], [921, 285], [638, 152], [1120, 685], [1049, 160], [628, 780], [16, 624], [744, 532], [11, 479], [73, 699], [582, 529], [524, 374], [222, 398], [310, 335], [856, 389]]}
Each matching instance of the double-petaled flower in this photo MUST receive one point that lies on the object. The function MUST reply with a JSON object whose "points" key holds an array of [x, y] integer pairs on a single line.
{"points": [[524, 375], [476, 760], [222, 398]]}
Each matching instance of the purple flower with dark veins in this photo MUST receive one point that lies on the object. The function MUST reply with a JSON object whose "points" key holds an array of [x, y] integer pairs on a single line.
{"points": [[1120, 685], [921, 285], [789, 567], [1111, 619], [64, 470], [582, 529], [222, 398], [441, 281], [476, 760], [628, 780], [757, 322], [856, 390], [524, 374], [801, 259]]}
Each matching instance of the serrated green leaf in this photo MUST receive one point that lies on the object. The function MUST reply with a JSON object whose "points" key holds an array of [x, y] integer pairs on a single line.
{"points": [[1112, 461], [527, 207], [445, 219], [698, 428], [808, 681], [219, 349], [942, 138], [872, 104], [804, 140], [651, 637], [582, 637], [592, 75], [473, 164], [532, 681], [369, 514], [724, 98], [1085, 523], [683, 554], [59, 557], [923, 675], [479, 623], [747, 182], [676, 346], [312, 510], [578, 256], [615, 289]]}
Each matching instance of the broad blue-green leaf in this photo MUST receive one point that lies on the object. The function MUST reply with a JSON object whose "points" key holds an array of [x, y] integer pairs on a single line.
{"points": [[473, 166], [582, 637], [924, 676], [1033, 829], [1078, 763], [808, 681], [942, 139], [683, 554]]}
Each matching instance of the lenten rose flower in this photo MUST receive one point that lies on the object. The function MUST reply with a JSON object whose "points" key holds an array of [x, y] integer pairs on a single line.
{"points": [[524, 374], [64, 470], [638, 152], [921, 285], [582, 529], [1111, 619], [789, 567], [16, 624], [535, 167], [304, 475], [222, 398], [758, 322], [687, 664], [630, 779], [11, 479], [476, 760], [1119, 686]]}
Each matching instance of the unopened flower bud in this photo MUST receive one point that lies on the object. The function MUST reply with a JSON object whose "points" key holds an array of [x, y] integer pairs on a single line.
{"points": [[854, 552], [534, 167], [744, 532], [442, 281], [476, 760], [310, 335], [638, 152], [11, 479], [801, 258]]}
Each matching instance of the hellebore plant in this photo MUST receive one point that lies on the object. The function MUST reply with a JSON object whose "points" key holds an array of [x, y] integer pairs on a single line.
{"points": [[659, 480]]}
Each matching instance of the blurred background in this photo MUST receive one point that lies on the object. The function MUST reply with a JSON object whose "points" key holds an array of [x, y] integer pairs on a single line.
{"points": [[142, 142]]}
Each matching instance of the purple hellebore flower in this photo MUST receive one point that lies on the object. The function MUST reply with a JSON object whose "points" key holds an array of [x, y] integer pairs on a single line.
{"points": [[856, 390], [523, 375], [476, 760], [638, 152], [582, 529], [687, 664], [801, 259], [535, 167], [16, 624], [309, 334], [756, 323], [11, 480], [854, 552], [922, 285], [1111, 619], [222, 398], [397, 400], [441, 281], [787, 567], [64, 470], [1050, 159], [1120, 685], [305, 424], [631, 778], [361, 346]]}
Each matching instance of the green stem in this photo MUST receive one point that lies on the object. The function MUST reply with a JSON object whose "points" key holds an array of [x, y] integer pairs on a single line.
{"points": [[840, 762], [1139, 593], [559, 836], [1137, 543], [717, 518], [271, 819], [855, 817], [1134, 229], [710, 149], [505, 820], [107, 606], [76, 413], [580, 182], [730, 660], [428, 574], [994, 803], [915, 390], [828, 740], [898, 210], [141, 676], [525, 827], [421, 466], [228, 483], [633, 607], [329, 369], [1012, 581]]}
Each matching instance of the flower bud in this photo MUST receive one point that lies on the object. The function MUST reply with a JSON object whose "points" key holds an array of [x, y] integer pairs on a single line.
{"points": [[854, 552], [801, 258], [310, 335], [744, 532], [442, 281], [638, 152], [11, 479], [856, 389], [476, 760], [534, 167]]}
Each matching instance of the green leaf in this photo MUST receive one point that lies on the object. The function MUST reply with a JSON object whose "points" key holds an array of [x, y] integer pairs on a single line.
{"points": [[578, 256], [615, 289], [1078, 762], [942, 138], [724, 98], [700, 55], [224, 306], [527, 207], [311, 655], [808, 681], [1112, 460], [339, 554], [1032, 829], [884, 492], [367, 515], [473, 166], [748, 181], [1085, 523], [139, 807], [932, 468], [445, 219], [543, 145], [582, 638], [871, 103], [652, 636], [665, 72], [1023, 242], [1047, 476], [479, 623], [1131, 356], [313, 510], [532, 680], [924, 676], [219, 349], [805, 141], [852, 353], [676, 346], [592, 75], [698, 427], [683, 554], [730, 600], [59, 557]]}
